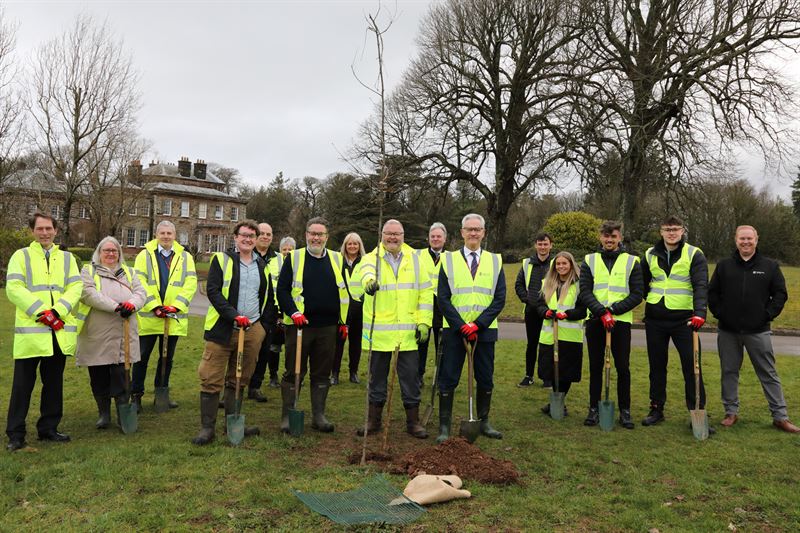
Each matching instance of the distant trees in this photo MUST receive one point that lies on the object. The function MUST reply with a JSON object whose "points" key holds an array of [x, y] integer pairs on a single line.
{"points": [[11, 103]]}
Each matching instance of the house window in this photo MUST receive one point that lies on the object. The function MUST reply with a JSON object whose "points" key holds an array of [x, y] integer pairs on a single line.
{"points": [[185, 209], [144, 236], [166, 207], [55, 212], [130, 237], [218, 212], [144, 209], [201, 213], [83, 212], [132, 209], [212, 243], [183, 237], [234, 214], [81, 239]]}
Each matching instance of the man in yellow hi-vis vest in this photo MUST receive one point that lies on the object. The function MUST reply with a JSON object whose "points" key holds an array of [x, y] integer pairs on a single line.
{"points": [[472, 292], [675, 275], [610, 286], [44, 284], [167, 273], [400, 297]]}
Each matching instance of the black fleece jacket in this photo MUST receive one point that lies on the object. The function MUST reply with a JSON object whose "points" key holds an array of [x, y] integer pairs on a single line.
{"points": [[635, 286], [530, 293], [698, 271]]}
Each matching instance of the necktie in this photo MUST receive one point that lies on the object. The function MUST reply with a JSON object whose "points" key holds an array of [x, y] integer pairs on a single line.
{"points": [[167, 257], [473, 268]]}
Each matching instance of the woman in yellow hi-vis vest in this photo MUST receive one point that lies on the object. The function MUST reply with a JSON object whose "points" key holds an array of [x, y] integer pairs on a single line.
{"points": [[558, 302]]}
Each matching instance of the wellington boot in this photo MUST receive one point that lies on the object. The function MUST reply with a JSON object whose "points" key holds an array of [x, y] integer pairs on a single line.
{"points": [[229, 399], [445, 416], [413, 427], [287, 401], [208, 417], [374, 416], [103, 410], [137, 399], [319, 395], [484, 400]]}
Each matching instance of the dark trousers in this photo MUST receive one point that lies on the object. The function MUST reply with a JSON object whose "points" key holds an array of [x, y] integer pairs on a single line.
{"points": [[453, 355], [659, 333], [423, 349], [146, 345], [379, 373], [107, 380], [355, 330], [620, 350], [51, 408], [533, 326], [318, 348], [268, 357]]}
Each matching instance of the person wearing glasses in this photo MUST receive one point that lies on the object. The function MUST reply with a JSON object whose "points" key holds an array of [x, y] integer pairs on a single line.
{"points": [[471, 294], [241, 298], [265, 359], [312, 295], [675, 276], [167, 272]]}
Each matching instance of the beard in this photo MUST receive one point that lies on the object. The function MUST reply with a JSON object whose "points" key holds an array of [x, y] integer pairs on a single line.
{"points": [[315, 249]]}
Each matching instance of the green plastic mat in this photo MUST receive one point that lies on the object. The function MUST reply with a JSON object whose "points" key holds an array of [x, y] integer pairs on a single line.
{"points": [[377, 501]]}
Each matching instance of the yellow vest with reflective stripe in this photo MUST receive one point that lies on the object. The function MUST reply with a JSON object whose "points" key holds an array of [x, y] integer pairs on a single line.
{"points": [[528, 270], [676, 289], [274, 268], [298, 259], [33, 287], [181, 287], [427, 262], [568, 330], [470, 296], [614, 286], [402, 302], [83, 310]]}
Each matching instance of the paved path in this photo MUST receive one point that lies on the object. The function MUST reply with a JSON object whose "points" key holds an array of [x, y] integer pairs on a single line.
{"points": [[784, 345]]}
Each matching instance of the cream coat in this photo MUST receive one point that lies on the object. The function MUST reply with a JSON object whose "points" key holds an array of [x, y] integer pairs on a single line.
{"points": [[100, 341]]}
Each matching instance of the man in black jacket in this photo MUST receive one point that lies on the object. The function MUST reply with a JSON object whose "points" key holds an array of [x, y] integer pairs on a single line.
{"points": [[240, 292], [746, 293], [527, 287], [675, 276]]}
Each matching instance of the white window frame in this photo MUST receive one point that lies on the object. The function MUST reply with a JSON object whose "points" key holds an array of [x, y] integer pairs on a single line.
{"points": [[145, 209], [202, 211], [218, 212], [144, 237], [130, 237], [184, 209], [183, 237], [132, 209], [166, 207], [234, 214]]}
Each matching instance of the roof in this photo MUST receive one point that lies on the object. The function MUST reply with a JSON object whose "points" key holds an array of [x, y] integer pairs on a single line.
{"points": [[194, 190], [171, 170]]}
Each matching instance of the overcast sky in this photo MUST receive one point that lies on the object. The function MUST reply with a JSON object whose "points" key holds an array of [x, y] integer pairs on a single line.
{"points": [[262, 86]]}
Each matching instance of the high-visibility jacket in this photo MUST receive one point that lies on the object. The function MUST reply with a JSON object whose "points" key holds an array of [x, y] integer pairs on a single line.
{"points": [[226, 265], [181, 287], [676, 289], [403, 301], [274, 268], [297, 259], [83, 310], [33, 287], [427, 263], [471, 297], [614, 286], [568, 330]]}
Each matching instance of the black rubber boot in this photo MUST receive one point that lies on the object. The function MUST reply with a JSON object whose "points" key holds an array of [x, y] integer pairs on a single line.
{"points": [[374, 416], [287, 401], [484, 400], [137, 399], [319, 395], [208, 417], [103, 410], [413, 427], [445, 416], [229, 399]]}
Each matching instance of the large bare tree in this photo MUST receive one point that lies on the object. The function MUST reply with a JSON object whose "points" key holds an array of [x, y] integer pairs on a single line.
{"points": [[678, 81], [11, 102], [84, 95]]}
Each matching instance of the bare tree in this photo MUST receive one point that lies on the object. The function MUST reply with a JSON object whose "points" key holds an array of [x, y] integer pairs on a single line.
{"points": [[228, 175], [84, 94], [681, 80], [11, 102]]}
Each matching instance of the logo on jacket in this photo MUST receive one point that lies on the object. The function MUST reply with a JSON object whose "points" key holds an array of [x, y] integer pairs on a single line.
{"points": [[759, 272]]}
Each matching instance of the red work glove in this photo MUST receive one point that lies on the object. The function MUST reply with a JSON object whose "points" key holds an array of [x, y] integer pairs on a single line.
{"points": [[299, 319], [242, 322], [696, 322], [162, 310], [50, 319], [343, 332], [561, 315], [549, 313], [470, 331], [125, 309], [608, 320]]}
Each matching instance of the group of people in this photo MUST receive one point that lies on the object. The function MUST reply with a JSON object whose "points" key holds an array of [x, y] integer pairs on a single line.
{"points": [[391, 298]]}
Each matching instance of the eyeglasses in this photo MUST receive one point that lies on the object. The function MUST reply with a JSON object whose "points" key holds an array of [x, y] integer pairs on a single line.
{"points": [[112, 251], [318, 234], [247, 235], [393, 233], [472, 230], [671, 229]]}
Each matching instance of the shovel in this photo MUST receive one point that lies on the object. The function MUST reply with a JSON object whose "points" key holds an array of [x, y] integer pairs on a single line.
{"points": [[470, 429], [556, 397], [426, 416], [606, 407], [297, 417], [699, 416], [162, 393], [128, 418], [389, 395], [235, 422]]}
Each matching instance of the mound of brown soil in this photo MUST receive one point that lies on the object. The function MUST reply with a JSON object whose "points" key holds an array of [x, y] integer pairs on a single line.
{"points": [[459, 457]]}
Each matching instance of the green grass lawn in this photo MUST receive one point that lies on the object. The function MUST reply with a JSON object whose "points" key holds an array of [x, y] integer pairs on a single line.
{"points": [[575, 478], [788, 319]]}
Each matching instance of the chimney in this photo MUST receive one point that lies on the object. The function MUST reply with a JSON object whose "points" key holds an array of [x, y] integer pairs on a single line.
{"points": [[135, 169], [185, 167], [200, 169], [153, 163]]}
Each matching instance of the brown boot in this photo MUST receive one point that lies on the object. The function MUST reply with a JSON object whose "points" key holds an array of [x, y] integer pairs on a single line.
{"points": [[413, 427], [373, 420]]}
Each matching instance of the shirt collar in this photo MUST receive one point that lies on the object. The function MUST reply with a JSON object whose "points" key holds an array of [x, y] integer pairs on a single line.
{"points": [[467, 253]]}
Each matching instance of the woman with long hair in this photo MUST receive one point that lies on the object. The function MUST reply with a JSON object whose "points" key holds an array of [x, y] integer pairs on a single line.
{"points": [[352, 252], [558, 302]]}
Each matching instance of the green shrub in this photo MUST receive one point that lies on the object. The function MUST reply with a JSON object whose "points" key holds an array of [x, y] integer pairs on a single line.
{"points": [[11, 241], [574, 232]]}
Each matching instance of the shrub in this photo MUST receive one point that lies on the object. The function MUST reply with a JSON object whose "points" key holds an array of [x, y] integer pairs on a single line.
{"points": [[574, 232], [11, 241]]}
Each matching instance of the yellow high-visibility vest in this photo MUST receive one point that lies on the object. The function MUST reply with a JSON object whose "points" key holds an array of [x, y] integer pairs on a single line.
{"points": [[470, 296], [676, 289], [33, 287], [614, 286], [298, 262], [568, 330], [225, 263], [427, 263], [83, 310]]}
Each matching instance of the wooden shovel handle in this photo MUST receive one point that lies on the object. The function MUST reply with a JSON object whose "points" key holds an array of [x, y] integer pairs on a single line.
{"points": [[239, 354]]}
